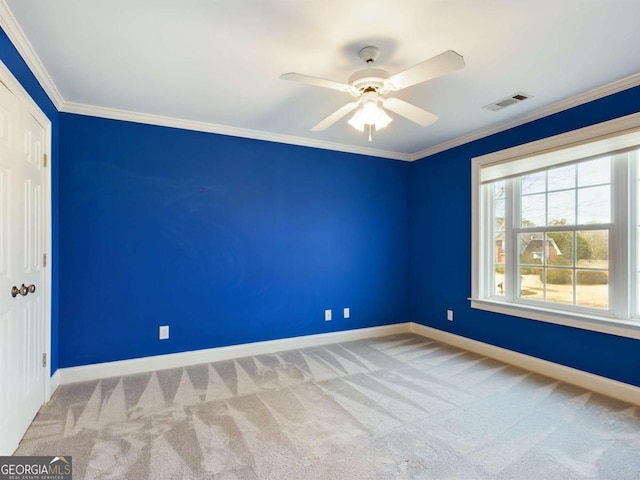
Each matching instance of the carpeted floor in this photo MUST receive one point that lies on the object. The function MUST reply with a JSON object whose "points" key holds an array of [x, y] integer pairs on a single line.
{"points": [[399, 407]]}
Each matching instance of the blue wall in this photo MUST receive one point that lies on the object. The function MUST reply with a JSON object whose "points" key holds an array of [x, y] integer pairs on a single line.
{"points": [[16, 65], [440, 276], [227, 240]]}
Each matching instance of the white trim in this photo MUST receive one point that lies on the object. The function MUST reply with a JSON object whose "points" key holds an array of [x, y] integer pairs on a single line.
{"points": [[610, 325], [618, 322], [595, 383], [23, 96], [17, 36], [175, 360], [48, 246], [150, 119], [565, 154], [563, 140], [54, 383], [580, 99], [477, 244]]}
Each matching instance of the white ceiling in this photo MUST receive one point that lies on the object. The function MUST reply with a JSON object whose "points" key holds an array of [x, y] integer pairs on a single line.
{"points": [[216, 63]]}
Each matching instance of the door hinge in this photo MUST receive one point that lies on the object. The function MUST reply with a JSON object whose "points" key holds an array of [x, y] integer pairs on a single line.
{"points": [[44, 259], [45, 160], [44, 360]]}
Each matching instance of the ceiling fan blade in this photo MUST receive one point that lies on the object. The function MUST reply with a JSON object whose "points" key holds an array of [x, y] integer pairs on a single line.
{"points": [[413, 113], [442, 64], [319, 82], [335, 116]]}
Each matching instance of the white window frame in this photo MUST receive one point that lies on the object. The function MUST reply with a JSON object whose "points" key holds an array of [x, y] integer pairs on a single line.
{"points": [[582, 143]]}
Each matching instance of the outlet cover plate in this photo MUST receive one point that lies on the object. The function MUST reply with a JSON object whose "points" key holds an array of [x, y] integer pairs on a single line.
{"points": [[164, 332]]}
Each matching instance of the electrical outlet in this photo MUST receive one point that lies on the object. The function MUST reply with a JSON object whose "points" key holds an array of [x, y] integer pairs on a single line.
{"points": [[164, 332], [346, 313], [450, 315], [327, 315]]}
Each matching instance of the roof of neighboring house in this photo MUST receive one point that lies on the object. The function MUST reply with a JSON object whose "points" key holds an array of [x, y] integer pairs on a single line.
{"points": [[535, 241]]}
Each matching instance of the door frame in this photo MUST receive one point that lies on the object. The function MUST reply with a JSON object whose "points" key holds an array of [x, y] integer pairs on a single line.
{"points": [[23, 97]]}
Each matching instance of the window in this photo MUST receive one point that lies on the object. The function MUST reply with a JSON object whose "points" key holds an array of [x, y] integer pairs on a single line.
{"points": [[556, 229]]}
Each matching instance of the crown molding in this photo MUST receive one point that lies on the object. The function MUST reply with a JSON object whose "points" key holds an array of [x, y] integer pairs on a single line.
{"points": [[125, 115], [17, 36], [159, 120], [582, 98]]}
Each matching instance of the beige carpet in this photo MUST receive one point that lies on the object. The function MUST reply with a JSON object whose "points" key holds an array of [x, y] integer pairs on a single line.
{"points": [[399, 407]]}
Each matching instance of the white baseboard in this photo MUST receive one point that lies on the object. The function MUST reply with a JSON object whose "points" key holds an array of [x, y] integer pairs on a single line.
{"points": [[589, 381], [183, 359], [605, 386], [54, 382]]}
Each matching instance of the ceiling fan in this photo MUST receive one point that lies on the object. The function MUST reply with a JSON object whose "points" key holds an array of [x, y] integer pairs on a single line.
{"points": [[371, 85]]}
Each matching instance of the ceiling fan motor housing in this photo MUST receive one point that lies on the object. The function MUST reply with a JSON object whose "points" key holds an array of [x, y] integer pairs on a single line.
{"points": [[370, 79]]}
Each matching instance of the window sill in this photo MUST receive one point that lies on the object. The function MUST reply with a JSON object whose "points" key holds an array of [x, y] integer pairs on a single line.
{"points": [[602, 324]]}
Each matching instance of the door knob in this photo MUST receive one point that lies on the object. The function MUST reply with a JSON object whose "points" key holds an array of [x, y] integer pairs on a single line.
{"points": [[23, 290]]}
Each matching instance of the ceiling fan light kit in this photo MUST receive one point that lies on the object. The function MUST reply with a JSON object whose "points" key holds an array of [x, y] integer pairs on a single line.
{"points": [[370, 114], [371, 85]]}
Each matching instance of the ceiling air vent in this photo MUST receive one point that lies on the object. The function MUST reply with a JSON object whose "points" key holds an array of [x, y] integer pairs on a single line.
{"points": [[507, 101]]}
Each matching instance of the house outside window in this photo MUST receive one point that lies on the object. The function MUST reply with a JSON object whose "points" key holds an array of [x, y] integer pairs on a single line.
{"points": [[556, 235]]}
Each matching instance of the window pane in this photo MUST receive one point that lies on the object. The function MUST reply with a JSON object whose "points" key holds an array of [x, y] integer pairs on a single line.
{"points": [[592, 289], [594, 205], [561, 178], [594, 172], [553, 230], [498, 237], [498, 279], [559, 285], [533, 183], [533, 210], [592, 249], [498, 209], [531, 248], [559, 249], [562, 208], [531, 287]]}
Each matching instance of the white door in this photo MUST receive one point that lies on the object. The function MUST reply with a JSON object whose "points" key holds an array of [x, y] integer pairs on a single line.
{"points": [[22, 316]]}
